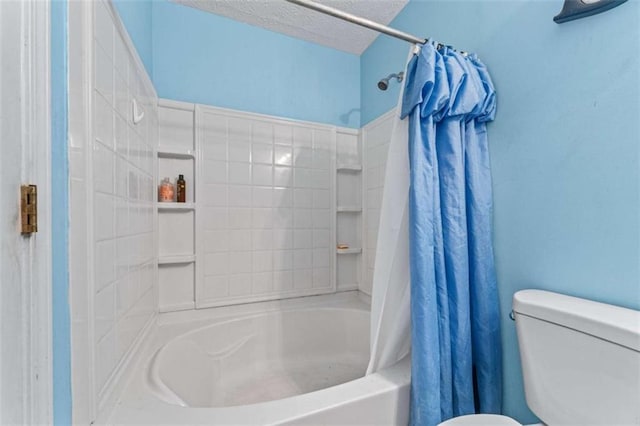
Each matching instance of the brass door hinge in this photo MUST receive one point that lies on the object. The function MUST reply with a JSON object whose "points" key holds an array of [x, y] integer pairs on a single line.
{"points": [[29, 208]]}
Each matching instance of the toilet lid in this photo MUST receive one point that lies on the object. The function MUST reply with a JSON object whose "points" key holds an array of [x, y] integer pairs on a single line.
{"points": [[481, 420]]}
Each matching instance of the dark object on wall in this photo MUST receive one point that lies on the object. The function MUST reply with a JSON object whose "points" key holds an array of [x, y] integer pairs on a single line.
{"points": [[181, 186], [576, 9]]}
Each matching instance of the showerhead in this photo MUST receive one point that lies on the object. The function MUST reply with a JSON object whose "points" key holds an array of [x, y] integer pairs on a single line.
{"points": [[384, 83]]}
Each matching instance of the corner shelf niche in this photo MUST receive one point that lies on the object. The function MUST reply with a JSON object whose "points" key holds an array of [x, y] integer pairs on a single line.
{"points": [[176, 206], [351, 250], [348, 209], [177, 155], [349, 168], [176, 260]]}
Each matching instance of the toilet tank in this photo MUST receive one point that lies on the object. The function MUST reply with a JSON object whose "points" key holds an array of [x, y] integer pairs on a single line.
{"points": [[580, 359]]}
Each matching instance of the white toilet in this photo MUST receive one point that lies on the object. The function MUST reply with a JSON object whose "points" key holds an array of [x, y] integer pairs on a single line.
{"points": [[580, 362]]}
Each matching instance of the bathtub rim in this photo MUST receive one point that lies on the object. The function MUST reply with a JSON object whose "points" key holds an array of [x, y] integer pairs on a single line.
{"points": [[162, 391], [136, 406]]}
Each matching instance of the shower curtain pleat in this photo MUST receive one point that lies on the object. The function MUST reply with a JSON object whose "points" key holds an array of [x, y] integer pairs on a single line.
{"points": [[485, 315]]}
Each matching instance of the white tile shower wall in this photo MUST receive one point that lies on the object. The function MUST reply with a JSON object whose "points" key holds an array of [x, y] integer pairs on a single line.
{"points": [[266, 201], [114, 293], [376, 137]]}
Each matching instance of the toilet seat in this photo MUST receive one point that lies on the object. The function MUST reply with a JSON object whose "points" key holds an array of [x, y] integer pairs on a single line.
{"points": [[481, 420]]}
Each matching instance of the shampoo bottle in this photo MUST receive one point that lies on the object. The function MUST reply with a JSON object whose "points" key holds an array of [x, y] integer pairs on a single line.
{"points": [[181, 189]]}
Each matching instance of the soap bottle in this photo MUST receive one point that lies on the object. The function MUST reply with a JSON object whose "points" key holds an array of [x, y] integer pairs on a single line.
{"points": [[181, 186], [166, 192]]}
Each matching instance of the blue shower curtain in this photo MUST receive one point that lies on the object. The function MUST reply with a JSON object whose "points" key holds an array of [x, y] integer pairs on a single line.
{"points": [[455, 331]]}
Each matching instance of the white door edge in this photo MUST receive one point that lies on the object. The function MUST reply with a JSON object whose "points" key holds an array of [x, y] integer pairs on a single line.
{"points": [[37, 277]]}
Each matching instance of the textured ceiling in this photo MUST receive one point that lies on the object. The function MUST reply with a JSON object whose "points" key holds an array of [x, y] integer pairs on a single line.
{"points": [[300, 22]]}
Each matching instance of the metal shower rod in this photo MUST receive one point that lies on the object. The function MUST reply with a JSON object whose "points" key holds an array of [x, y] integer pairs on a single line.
{"points": [[363, 22]]}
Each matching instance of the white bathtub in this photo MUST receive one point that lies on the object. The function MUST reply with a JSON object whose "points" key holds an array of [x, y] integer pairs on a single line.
{"points": [[296, 362]]}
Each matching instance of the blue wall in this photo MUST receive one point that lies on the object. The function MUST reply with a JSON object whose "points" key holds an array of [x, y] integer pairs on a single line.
{"points": [[136, 16], [565, 145], [203, 58], [194, 56], [61, 320]]}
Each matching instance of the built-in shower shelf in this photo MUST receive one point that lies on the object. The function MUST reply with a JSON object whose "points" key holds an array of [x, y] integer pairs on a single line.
{"points": [[179, 153], [348, 287], [349, 167], [349, 209], [354, 250], [176, 206], [176, 260]]}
